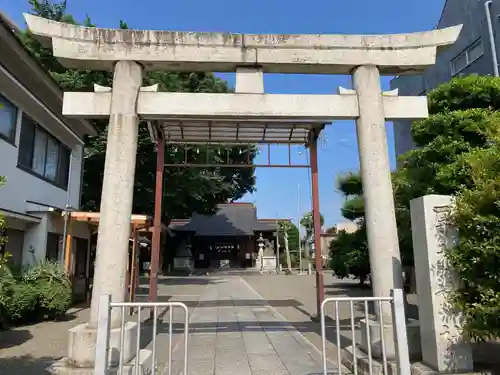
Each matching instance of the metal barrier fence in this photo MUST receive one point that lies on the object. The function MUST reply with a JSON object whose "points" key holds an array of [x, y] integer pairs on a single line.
{"points": [[397, 305], [102, 354]]}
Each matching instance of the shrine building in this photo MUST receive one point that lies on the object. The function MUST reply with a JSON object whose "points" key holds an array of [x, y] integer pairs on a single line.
{"points": [[227, 239]]}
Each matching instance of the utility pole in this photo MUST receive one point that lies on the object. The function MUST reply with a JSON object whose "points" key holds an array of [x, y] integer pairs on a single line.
{"points": [[277, 245], [298, 227], [491, 35]]}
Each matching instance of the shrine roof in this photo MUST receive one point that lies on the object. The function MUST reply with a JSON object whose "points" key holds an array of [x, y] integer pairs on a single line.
{"points": [[232, 219], [239, 132]]}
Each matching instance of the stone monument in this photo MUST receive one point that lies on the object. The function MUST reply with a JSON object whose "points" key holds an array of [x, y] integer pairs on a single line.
{"points": [[260, 253], [268, 256], [443, 347], [183, 259]]}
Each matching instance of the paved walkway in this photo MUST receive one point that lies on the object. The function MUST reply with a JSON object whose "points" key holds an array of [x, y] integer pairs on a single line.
{"points": [[233, 330]]}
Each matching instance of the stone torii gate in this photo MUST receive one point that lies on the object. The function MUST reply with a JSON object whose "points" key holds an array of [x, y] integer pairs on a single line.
{"points": [[247, 116]]}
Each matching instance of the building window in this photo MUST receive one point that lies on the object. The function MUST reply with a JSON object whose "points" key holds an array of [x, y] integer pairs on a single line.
{"points": [[3, 234], [52, 248], [467, 57], [8, 119], [42, 154]]}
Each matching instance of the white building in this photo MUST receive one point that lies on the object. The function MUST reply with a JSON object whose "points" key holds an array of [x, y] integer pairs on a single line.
{"points": [[41, 156]]}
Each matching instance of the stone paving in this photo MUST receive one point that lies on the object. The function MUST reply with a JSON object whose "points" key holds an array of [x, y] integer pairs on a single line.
{"points": [[294, 297], [233, 330]]}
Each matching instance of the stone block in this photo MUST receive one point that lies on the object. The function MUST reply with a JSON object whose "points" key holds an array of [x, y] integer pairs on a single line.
{"points": [[364, 365], [269, 262], [412, 332], [443, 347], [183, 263], [82, 340], [65, 367]]}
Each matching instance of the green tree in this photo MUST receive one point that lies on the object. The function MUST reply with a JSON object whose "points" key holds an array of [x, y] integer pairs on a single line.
{"points": [[185, 189], [458, 154], [6, 279], [476, 259], [288, 232], [349, 251], [293, 234], [307, 223], [349, 255], [3, 225]]}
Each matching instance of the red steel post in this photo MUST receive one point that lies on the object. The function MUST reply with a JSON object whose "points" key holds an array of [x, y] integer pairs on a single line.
{"points": [[156, 240], [313, 154]]}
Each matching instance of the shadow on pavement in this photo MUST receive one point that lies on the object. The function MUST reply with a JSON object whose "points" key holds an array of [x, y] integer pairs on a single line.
{"points": [[25, 365], [229, 303], [246, 326], [353, 290], [184, 281], [15, 337]]}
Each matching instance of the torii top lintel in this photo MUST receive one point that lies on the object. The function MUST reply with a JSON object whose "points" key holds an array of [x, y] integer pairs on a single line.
{"points": [[99, 49]]}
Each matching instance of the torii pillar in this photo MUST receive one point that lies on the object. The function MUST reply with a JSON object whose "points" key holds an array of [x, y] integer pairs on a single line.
{"points": [[117, 191]]}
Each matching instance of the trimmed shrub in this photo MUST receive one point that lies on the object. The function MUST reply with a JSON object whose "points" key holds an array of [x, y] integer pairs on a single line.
{"points": [[42, 291], [53, 287], [22, 301]]}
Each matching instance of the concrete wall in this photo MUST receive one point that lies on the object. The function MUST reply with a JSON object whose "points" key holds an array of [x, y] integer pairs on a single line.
{"points": [[34, 245], [471, 14], [23, 187]]}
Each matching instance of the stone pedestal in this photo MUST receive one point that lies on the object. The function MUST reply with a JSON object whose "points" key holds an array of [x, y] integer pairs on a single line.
{"points": [[412, 331], [269, 263], [64, 367], [443, 348], [81, 351], [183, 263]]}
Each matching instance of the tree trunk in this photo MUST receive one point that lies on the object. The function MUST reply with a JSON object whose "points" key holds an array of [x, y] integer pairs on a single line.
{"points": [[288, 259]]}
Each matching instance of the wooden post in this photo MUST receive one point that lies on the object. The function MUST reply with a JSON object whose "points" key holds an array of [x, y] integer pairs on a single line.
{"points": [[127, 274], [133, 272], [67, 248], [313, 154], [155, 243], [137, 267]]}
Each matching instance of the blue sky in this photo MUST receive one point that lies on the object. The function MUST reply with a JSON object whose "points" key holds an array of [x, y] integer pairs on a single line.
{"points": [[276, 188]]}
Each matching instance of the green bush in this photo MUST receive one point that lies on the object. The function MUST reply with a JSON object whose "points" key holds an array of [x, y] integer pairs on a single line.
{"points": [[22, 301], [18, 300], [42, 291], [6, 283], [349, 255], [476, 259], [53, 288], [294, 260]]}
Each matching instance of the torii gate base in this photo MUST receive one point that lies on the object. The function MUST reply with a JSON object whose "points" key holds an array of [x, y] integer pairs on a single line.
{"points": [[129, 52]]}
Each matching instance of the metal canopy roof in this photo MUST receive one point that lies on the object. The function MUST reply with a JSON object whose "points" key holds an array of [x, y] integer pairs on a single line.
{"points": [[233, 132]]}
